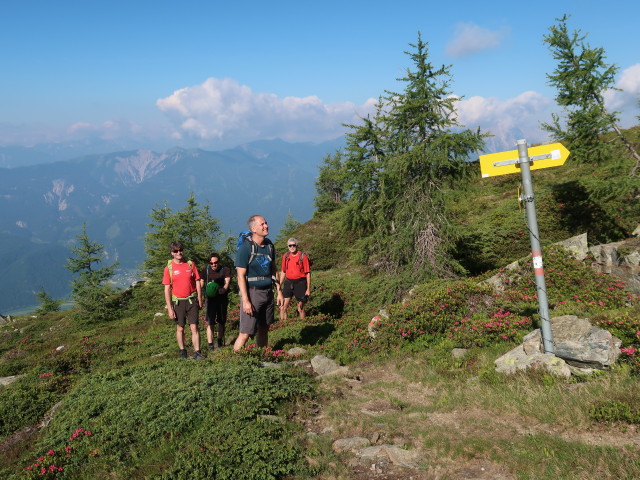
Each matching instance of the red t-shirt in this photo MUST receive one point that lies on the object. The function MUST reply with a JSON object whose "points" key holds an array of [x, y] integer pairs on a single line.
{"points": [[183, 283], [293, 268]]}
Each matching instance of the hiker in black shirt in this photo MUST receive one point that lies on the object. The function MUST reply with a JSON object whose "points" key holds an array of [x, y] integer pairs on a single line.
{"points": [[218, 278]]}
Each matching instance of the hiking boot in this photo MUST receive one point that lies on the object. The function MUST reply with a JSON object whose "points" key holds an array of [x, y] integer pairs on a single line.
{"points": [[210, 346], [182, 353], [197, 356]]}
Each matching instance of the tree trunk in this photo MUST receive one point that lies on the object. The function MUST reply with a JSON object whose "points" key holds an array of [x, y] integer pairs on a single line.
{"points": [[633, 151]]}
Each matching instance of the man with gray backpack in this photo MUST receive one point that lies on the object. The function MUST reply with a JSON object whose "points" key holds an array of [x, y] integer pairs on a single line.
{"points": [[256, 269]]}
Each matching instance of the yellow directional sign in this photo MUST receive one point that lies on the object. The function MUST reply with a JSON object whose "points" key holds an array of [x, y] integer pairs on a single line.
{"points": [[504, 163]]}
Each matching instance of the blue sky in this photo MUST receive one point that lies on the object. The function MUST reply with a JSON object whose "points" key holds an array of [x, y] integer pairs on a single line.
{"points": [[215, 74]]}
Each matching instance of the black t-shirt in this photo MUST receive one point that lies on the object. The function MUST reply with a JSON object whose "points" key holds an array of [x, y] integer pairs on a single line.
{"points": [[218, 276]]}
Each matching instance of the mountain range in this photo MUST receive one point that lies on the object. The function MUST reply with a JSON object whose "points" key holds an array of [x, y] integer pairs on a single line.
{"points": [[43, 205]]}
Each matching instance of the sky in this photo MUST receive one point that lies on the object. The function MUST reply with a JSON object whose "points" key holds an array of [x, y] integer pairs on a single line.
{"points": [[217, 74]]}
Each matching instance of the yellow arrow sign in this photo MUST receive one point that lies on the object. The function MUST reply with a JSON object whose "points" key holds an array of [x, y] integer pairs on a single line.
{"points": [[504, 163]]}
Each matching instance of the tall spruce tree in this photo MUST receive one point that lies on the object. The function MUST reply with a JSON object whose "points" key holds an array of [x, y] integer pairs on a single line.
{"points": [[91, 291], [581, 78], [193, 225], [398, 162]]}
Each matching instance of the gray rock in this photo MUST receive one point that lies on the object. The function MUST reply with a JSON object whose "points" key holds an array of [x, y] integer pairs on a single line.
{"points": [[270, 365], [458, 352], [393, 453], [272, 418], [49, 415], [297, 351], [577, 246], [302, 363], [621, 259], [497, 281], [4, 381], [532, 342], [324, 366], [339, 372], [374, 324], [517, 359], [577, 342], [584, 345], [349, 444]]}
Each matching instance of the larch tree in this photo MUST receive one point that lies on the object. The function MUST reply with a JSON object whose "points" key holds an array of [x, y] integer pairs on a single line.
{"points": [[91, 290], [581, 78], [398, 162], [193, 225]]}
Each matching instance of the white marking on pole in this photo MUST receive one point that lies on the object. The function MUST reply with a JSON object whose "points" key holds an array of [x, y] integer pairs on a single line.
{"points": [[537, 262]]}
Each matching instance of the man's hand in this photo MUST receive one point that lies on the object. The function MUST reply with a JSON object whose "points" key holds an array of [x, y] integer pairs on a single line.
{"points": [[280, 300], [247, 307], [171, 312]]}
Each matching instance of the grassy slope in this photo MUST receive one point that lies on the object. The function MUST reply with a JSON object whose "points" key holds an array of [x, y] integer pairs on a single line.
{"points": [[153, 416]]}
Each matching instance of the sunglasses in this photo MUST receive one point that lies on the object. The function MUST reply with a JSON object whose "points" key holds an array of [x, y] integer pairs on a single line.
{"points": [[176, 251], [292, 246], [213, 263]]}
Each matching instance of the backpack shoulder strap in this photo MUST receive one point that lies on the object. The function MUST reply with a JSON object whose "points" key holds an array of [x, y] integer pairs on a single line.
{"points": [[253, 248], [272, 250]]}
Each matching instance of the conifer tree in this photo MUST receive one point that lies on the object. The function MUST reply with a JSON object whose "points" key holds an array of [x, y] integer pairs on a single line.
{"points": [[91, 291], [331, 184], [581, 78], [398, 161], [290, 225], [47, 303], [193, 225]]}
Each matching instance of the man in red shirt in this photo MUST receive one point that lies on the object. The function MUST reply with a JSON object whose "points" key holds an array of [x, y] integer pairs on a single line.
{"points": [[183, 295], [295, 278]]}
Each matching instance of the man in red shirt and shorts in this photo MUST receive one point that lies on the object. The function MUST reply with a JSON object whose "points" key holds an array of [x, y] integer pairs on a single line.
{"points": [[295, 278], [183, 295]]}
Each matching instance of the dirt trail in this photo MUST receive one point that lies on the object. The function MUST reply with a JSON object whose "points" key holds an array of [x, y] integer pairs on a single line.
{"points": [[380, 404]]}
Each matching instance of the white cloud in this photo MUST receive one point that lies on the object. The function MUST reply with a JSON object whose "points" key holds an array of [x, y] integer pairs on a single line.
{"points": [[106, 130], [626, 100], [470, 38], [508, 120], [221, 109]]}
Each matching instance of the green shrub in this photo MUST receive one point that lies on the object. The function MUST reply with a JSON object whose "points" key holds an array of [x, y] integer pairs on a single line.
{"points": [[569, 282], [24, 402], [433, 310], [179, 410], [482, 330], [614, 411], [625, 326]]}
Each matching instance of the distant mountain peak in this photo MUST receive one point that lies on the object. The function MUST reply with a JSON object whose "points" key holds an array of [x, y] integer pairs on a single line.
{"points": [[140, 166]]}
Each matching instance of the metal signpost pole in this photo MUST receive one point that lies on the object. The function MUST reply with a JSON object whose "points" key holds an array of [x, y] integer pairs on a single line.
{"points": [[536, 249]]}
